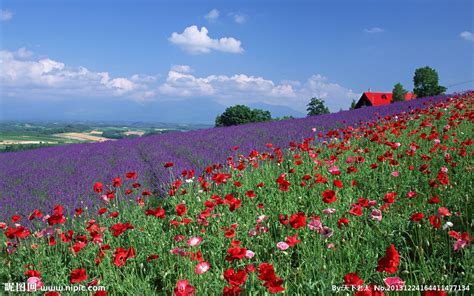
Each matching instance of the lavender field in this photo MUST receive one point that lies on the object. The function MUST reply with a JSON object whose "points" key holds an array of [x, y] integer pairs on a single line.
{"points": [[44, 177]]}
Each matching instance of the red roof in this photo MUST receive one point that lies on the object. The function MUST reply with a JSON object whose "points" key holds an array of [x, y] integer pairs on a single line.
{"points": [[380, 98]]}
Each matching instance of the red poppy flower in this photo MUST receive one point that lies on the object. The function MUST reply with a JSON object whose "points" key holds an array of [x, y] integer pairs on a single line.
{"points": [[78, 212], [184, 288], [32, 273], [342, 221], [158, 212], [152, 257], [121, 256], [181, 210], [338, 183], [98, 187], [119, 228], [435, 221], [77, 275], [117, 182], [250, 194], [56, 219], [356, 210], [417, 217], [271, 281], [298, 220], [329, 196], [235, 278], [284, 219], [352, 279], [229, 233], [292, 241], [389, 263], [168, 164], [434, 199], [131, 175], [235, 253], [363, 202], [35, 214], [390, 197]]}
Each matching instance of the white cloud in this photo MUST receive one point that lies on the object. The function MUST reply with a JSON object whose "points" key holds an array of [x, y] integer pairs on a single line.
{"points": [[27, 76], [5, 15], [182, 68], [245, 89], [374, 30], [22, 75], [197, 41], [466, 35], [239, 18], [212, 15]]}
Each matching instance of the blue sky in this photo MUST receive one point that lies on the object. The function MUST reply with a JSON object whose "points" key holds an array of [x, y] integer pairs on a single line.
{"points": [[226, 52]]}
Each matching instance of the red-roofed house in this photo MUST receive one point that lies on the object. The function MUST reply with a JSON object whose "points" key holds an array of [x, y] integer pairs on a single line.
{"points": [[378, 99]]}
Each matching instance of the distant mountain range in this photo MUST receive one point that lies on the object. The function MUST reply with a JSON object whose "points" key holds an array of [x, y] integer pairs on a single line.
{"points": [[179, 111]]}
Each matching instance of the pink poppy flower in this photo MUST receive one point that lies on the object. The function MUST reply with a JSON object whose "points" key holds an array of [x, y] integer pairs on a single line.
{"points": [[376, 215], [459, 244], [326, 232], [334, 170], [194, 241], [282, 246], [395, 283], [329, 211], [249, 254], [33, 283], [442, 212], [202, 267]]}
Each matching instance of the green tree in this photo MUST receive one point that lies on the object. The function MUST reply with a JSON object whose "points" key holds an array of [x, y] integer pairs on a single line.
{"points": [[398, 93], [426, 84], [317, 107], [353, 104], [240, 114]]}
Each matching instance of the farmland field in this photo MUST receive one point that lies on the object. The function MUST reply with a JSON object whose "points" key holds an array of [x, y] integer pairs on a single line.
{"points": [[374, 201], [17, 136]]}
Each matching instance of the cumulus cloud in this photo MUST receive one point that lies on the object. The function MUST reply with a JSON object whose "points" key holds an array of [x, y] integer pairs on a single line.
{"points": [[197, 41], [212, 15], [374, 30], [245, 89], [5, 15], [466, 35], [22, 74]]}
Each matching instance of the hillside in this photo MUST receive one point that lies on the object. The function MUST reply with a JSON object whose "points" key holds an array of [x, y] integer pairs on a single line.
{"points": [[364, 210], [64, 175]]}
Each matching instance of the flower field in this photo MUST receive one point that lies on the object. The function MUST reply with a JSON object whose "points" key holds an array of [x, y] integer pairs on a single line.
{"points": [[64, 174], [366, 202]]}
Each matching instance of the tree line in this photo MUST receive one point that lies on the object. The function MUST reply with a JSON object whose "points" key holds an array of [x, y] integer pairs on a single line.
{"points": [[425, 82]]}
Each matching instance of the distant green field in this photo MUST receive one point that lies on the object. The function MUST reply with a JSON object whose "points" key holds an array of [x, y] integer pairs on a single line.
{"points": [[15, 136]]}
